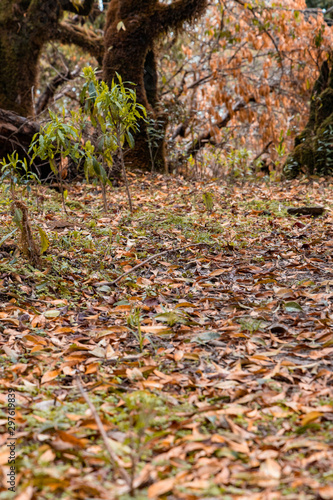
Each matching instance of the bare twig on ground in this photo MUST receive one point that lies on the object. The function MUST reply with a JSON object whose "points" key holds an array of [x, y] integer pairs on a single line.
{"points": [[110, 283], [113, 456]]}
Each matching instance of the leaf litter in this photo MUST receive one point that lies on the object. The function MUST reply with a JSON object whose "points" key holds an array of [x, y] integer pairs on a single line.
{"points": [[209, 366]]}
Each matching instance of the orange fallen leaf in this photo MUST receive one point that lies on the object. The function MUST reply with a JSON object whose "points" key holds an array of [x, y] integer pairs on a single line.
{"points": [[326, 492], [70, 438], [158, 489], [51, 375]]}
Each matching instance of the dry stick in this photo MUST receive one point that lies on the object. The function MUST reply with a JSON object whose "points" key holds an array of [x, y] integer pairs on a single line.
{"points": [[262, 152], [113, 456], [110, 283]]}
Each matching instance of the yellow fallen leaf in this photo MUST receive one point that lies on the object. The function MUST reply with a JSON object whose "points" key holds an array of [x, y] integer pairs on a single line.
{"points": [[311, 417]]}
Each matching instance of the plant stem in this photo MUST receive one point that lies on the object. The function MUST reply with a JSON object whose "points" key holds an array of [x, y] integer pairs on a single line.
{"points": [[104, 198], [61, 186], [124, 171]]}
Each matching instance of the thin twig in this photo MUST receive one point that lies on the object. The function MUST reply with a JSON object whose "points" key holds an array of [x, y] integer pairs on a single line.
{"points": [[110, 283], [113, 456], [262, 152]]}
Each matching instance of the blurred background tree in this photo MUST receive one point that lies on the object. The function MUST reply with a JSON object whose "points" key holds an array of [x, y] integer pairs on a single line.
{"points": [[235, 86]]}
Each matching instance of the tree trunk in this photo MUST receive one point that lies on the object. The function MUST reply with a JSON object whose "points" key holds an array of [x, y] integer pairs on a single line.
{"points": [[132, 28], [25, 27], [313, 151], [23, 32]]}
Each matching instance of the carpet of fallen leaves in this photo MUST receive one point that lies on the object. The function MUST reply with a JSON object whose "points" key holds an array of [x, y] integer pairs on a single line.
{"points": [[210, 366]]}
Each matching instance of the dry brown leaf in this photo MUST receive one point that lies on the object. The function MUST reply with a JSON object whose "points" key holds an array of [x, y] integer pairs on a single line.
{"points": [[50, 375], [161, 487]]}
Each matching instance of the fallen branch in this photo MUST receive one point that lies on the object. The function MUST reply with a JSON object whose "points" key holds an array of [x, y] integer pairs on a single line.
{"points": [[314, 211], [11, 123], [263, 151], [111, 283], [16, 133], [113, 456], [51, 88], [206, 137]]}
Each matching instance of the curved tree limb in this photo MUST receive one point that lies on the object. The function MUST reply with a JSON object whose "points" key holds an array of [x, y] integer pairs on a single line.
{"points": [[51, 88], [68, 33], [200, 142], [152, 257], [175, 14]]}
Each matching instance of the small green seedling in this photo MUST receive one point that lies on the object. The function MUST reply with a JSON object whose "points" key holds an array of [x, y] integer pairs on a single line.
{"points": [[17, 173], [114, 112], [57, 138], [208, 201]]}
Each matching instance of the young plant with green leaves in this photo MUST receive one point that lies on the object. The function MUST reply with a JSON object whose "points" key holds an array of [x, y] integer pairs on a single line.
{"points": [[208, 201], [115, 112], [58, 138], [17, 173], [134, 320]]}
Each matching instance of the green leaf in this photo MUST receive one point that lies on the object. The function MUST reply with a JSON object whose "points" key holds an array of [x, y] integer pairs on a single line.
{"points": [[7, 236], [171, 318], [96, 167], [292, 307], [61, 137], [52, 313], [45, 242], [17, 216], [205, 337], [53, 166], [92, 91], [208, 200], [130, 139]]}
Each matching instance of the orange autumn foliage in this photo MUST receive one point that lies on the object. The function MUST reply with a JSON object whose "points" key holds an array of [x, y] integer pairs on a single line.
{"points": [[247, 67]]}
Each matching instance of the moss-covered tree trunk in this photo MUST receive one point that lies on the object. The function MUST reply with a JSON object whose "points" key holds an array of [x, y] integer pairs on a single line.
{"points": [[22, 36], [132, 28], [25, 27], [313, 152]]}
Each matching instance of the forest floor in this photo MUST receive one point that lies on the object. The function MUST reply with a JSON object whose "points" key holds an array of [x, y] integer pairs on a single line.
{"points": [[210, 365]]}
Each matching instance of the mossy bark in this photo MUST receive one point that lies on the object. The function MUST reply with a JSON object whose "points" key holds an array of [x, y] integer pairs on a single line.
{"points": [[130, 51], [313, 152], [25, 27]]}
